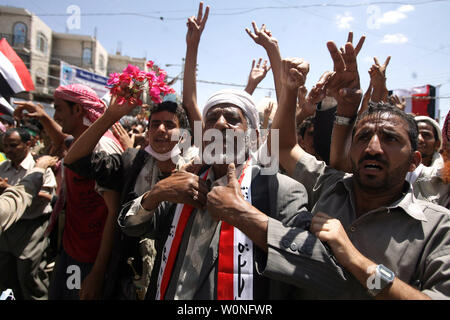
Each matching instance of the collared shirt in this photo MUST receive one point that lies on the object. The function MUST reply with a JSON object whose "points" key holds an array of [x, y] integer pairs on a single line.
{"points": [[39, 206], [410, 236], [428, 185]]}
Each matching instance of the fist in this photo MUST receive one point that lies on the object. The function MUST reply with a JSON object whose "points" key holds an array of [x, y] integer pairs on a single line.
{"points": [[294, 72]]}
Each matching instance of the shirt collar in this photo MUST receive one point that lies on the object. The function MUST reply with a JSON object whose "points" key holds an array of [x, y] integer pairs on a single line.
{"points": [[27, 163], [407, 202]]}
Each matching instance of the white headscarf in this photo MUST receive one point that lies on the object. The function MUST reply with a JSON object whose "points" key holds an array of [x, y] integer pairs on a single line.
{"points": [[434, 124], [238, 98]]}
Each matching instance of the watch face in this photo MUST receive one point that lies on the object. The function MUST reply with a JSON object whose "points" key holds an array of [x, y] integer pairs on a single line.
{"points": [[386, 273]]}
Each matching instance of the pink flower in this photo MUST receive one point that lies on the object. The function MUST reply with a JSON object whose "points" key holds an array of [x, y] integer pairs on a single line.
{"points": [[113, 79], [129, 85]]}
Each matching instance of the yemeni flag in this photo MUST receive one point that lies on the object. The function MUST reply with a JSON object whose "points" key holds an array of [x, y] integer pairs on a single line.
{"points": [[420, 100], [14, 75]]}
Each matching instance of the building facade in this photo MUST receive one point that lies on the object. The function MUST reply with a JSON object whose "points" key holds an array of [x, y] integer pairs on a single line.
{"points": [[42, 51]]}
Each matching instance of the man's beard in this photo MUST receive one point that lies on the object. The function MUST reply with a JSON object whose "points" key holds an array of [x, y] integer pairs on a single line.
{"points": [[391, 179], [240, 153]]}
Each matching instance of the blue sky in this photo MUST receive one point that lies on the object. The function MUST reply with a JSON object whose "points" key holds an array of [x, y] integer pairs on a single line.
{"points": [[414, 33]]}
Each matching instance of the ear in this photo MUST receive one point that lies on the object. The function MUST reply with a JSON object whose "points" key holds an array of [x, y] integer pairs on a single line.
{"points": [[78, 110], [437, 145], [416, 161]]}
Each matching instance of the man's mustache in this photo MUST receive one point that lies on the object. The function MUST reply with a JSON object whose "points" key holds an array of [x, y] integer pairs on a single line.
{"points": [[376, 157]]}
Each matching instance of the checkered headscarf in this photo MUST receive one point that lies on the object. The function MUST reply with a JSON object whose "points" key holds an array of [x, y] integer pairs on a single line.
{"points": [[86, 97]]}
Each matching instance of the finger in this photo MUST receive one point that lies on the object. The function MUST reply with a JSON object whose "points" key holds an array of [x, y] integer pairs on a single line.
{"points": [[255, 27], [259, 63], [376, 61], [251, 34], [321, 214], [231, 174], [205, 18], [350, 37], [253, 64], [200, 11], [359, 45], [324, 78], [336, 56], [203, 187], [387, 61], [350, 58]]}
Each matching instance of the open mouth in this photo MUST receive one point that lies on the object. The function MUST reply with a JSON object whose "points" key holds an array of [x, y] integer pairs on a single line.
{"points": [[372, 166]]}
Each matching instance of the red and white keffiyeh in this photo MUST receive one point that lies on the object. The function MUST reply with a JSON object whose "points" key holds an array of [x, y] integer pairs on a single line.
{"points": [[86, 97]]}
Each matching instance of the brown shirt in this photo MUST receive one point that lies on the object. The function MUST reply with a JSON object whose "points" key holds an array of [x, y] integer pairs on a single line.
{"points": [[410, 236]]}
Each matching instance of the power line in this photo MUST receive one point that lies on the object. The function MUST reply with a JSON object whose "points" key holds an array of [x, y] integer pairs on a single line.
{"points": [[239, 11]]}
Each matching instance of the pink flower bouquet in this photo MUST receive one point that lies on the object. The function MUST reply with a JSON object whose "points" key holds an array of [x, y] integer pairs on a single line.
{"points": [[128, 86]]}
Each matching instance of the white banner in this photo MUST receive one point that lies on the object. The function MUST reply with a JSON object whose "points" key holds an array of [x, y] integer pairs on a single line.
{"points": [[70, 74]]}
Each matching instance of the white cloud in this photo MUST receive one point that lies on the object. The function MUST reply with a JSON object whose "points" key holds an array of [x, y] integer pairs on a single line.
{"points": [[377, 19], [406, 8], [397, 38], [343, 21], [391, 17]]}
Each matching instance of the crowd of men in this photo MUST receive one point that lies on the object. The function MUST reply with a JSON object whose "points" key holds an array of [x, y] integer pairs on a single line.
{"points": [[98, 204]]}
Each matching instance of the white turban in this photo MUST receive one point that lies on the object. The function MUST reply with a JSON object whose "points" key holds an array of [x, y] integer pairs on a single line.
{"points": [[238, 98]]}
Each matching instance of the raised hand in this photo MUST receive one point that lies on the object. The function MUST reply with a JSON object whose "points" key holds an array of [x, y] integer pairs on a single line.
{"points": [[318, 91], [262, 36], [293, 73], [378, 80], [396, 101], [343, 84], [258, 72], [34, 111], [116, 110], [196, 25], [122, 135], [358, 45]]}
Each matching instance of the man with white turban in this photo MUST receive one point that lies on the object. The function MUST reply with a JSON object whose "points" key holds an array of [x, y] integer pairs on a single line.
{"points": [[200, 256]]}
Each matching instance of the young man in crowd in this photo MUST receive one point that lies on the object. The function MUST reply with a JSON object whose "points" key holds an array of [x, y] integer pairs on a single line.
{"points": [[89, 211]]}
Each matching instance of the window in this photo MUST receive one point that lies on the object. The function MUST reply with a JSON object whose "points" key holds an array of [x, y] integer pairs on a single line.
{"points": [[19, 34], [101, 63], [41, 43], [87, 56], [40, 77]]}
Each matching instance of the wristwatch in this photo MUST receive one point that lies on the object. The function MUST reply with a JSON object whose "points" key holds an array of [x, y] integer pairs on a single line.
{"points": [[343, 121], [381, 278]]}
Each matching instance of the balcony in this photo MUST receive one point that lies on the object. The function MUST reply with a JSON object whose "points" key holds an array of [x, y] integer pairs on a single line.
{"points": [[55, 61]]}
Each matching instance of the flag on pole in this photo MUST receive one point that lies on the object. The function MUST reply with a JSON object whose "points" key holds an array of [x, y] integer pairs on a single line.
{"points": [[14, 75], [420, 100]]}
